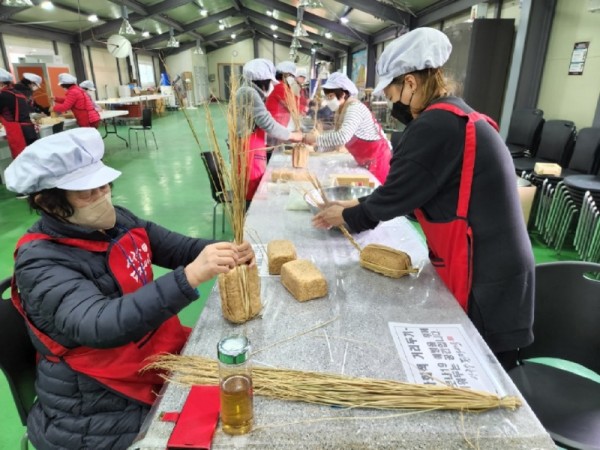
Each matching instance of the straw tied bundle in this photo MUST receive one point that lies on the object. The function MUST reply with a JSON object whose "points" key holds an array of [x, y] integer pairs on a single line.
{"points": [[240, 287], [299, 151], [337, 390], [375, 257]]}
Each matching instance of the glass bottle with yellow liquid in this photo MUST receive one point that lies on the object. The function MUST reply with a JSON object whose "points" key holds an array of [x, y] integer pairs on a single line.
{"points": [[235, 375]]}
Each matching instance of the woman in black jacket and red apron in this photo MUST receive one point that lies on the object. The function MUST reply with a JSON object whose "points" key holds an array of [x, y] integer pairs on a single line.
{"points": [[84, 284], [14, 115], [453, 169]]}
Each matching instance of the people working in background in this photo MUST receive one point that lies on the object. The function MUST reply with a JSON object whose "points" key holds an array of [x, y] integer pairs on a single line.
{"points": [[453, 169], [254, 121], [354, 127], [14, 115], [286, 91], [95, 313], [29, 85], [88, 87], [76, 100]]}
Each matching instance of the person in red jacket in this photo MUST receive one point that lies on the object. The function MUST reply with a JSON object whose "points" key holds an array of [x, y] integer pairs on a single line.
{"points": [[276, 101], [77, 101]]}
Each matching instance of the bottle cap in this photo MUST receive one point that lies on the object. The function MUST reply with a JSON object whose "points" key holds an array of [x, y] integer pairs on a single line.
{"points": [[233, 349]]}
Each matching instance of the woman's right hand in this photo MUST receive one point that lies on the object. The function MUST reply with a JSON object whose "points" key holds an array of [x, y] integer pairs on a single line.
{"points": [[295, 136], [214, 259]]}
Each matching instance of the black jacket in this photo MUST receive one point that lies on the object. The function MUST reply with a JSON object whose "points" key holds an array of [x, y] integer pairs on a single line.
{"points": [[425, 173], [70, 295]]}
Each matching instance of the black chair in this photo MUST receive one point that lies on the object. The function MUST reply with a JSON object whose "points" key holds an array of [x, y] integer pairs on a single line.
{"points": [[566, 326], [524, 131], [556, 146], [58, 127], [145, 126], [17, 357], [219, 194]]}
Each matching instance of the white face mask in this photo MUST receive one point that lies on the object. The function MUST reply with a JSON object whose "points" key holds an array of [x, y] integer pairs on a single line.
{"points": [[99, 215], [290, 80], [333, 104], [269, 90]]}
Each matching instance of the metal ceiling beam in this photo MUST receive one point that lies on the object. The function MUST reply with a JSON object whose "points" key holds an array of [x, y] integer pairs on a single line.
{"points": [[441, 10], [246, 34], [288, 42], [305, 44], [151, 11], [190, 27], [46, 34], [286, 26], [379, 10], [389, 33], [132, 5], [325, 23], [6, 12]]}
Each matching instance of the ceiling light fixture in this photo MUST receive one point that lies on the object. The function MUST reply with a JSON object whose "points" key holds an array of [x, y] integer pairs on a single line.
{"points": [[204, 12], [233, 35], [93, 18], [344, 20], [146, 34], [17, 3], [270, 13], [275, 36], [198, 50], [126, 29], [299, 31], [47, 5], [172, 42], [274, 27], [328, 35], [221, 27], [295, 44]]}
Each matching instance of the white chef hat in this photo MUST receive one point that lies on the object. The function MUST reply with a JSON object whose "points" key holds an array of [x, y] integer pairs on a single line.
{"points": [[418, 49], [302, 72], [33, 78], [5, 76], [337, 80], [66, 78], [69, 160], [87, 84], [259, 69], [286, 67]]}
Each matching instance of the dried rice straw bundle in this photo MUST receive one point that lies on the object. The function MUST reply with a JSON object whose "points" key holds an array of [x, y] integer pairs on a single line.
{"points": [[375, 257], [337, 390], [299, 151], [239, 288]]}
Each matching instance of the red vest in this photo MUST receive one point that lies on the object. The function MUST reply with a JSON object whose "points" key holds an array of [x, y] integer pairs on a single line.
{"points": [[130, 263], [14, 132], [451, 242]]}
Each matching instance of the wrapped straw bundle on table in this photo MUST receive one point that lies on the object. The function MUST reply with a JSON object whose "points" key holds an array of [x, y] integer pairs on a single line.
{"points": [[337, 390]]}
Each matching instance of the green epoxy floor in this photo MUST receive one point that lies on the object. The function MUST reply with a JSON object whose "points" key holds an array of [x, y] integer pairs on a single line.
{"points": [[168, 186]]}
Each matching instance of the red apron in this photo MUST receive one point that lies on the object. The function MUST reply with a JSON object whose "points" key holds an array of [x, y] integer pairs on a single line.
{"points": [[451, 242], [130, 263], [14, 132], [257, 161], [374, 156]]}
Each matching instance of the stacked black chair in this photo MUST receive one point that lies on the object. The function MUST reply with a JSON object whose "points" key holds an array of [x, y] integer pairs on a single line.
{"points": [[524, 131], [17, 357], [556, 146], [146, 126], [567, 314], [219, 194]]}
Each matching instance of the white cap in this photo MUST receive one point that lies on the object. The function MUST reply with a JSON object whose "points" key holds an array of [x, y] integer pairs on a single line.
{"points": [[337, 80], [33, 78], [70, 160], [66, 78], [302, 72], [423, 48], [286, 67], [87, 84], [5, 76], [259, 69]]}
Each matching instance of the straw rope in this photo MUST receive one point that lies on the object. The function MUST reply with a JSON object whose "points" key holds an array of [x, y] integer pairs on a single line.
{"points": [[337, 390]]}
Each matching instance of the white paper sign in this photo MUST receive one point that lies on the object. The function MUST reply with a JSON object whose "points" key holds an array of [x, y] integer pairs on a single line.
{"points": [[441, 354]]}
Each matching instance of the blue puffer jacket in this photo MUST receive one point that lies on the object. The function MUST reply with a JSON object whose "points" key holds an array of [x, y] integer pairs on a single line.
{"points": [[70, 295]]}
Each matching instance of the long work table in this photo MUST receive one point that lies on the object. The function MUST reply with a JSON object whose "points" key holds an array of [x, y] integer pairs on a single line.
{"points": [[347, 332]]}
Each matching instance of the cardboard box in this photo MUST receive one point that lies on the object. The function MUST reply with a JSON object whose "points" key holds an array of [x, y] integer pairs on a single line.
{"points": [[526, 196], [352, 180], [548, 169]]}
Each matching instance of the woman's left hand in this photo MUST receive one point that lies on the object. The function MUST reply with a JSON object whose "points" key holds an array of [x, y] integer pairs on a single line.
{"points": [[329, 217], [246, 254], [310, 138]]}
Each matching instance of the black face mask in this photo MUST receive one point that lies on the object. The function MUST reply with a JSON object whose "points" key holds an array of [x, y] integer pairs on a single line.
{"points": [[401, 112]]}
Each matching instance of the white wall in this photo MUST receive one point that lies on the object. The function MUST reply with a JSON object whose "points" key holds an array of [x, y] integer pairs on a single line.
{"points": [[564, 96], [105, 73], [238, 53]]}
